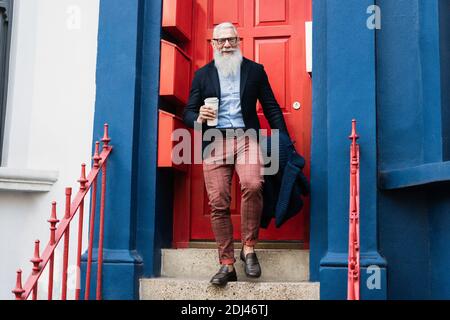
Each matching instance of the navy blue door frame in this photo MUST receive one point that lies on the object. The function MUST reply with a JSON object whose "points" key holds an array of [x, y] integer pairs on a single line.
{"points": [[128, 63]]}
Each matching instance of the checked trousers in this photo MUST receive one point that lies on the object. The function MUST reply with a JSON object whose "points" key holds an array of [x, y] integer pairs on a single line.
{"points": [[229, 154]]}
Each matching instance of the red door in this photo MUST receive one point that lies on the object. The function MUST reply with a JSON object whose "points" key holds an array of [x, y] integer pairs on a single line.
{"points": [[273, 33]]}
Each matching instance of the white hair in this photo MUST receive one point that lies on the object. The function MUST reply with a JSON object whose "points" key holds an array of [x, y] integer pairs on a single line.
{"points": [[224, 26], [227, 65]]}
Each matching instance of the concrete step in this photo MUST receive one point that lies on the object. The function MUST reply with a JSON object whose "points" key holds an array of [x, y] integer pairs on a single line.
{"points": [[179, 289], [278, 265]]}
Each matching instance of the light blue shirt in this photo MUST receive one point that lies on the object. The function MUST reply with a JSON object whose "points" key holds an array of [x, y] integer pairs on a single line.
{"points": [[230, 113]]}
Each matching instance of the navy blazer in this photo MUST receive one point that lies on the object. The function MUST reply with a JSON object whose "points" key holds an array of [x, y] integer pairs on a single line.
{"points": [[254, 86], [283, 191]]}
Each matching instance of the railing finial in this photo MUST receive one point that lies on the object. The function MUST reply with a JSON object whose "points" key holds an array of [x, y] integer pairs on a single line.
{"points": [[83, 179], [53, 221], [36, 260], [18, 290], [96, 156], [354, 136], [106, 139]]}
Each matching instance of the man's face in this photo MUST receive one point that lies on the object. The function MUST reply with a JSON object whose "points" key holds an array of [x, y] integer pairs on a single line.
{"points": [[226, 42]]}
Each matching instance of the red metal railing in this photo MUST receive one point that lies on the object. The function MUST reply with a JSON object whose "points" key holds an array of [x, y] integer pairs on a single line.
{"points": [[353, 238], [63, 230]]}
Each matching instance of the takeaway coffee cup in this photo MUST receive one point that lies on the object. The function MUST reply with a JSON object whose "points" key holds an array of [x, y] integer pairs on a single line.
{"points": [[214, 104]]}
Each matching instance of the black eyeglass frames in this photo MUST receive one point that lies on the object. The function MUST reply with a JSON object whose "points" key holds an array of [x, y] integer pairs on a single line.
{"points": [[221, 41]]}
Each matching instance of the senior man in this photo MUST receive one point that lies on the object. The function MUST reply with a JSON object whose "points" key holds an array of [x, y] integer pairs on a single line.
{"points": [[238, 83]]}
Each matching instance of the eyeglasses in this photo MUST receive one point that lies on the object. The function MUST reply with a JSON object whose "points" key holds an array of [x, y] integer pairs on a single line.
{"points": [[221, 41]]}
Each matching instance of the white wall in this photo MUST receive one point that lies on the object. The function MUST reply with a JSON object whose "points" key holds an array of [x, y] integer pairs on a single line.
{"points": [[51, 99]]}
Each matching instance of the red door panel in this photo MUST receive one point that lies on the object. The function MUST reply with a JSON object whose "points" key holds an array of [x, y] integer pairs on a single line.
{"points": [[273, 33]]}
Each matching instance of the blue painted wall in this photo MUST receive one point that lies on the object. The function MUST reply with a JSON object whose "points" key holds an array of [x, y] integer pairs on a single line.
{"points": [[412, 119], [396, 86], [438, 195], [403, 222], [319, 190], [127, 98], [150, 218], [439, 211], [445, 74]]}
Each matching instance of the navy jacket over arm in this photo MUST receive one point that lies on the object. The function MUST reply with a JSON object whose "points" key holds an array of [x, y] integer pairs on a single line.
{"points": [[283, 191]]}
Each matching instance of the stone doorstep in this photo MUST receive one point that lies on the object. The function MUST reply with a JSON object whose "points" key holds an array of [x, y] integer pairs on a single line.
{"points": [[293, 245], [279, 265], [179, 289]]}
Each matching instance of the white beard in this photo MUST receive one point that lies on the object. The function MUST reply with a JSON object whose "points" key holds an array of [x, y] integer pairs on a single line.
{"points": [[228, 65]]}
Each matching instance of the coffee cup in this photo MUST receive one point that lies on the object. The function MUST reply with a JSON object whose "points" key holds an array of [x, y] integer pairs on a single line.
{"points": [[214, 104]]}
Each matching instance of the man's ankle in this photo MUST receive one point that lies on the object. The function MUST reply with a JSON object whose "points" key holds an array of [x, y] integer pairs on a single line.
{"points": [[248, 249]]}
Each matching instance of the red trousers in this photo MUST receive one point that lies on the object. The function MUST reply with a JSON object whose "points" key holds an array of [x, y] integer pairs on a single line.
{"points": [[242, 154]]}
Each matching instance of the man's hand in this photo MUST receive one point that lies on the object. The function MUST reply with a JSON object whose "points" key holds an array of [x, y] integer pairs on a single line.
{"points": [[206, 113]]}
